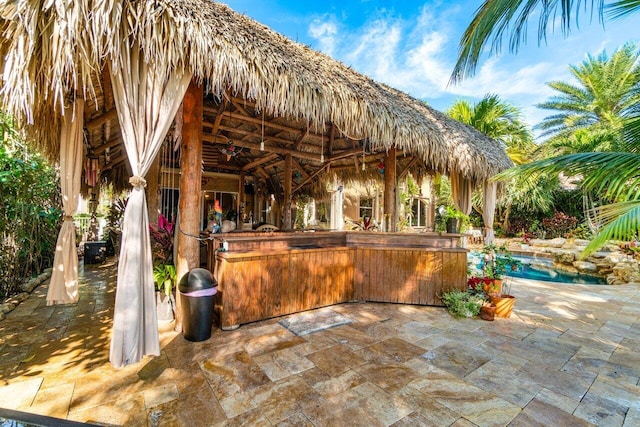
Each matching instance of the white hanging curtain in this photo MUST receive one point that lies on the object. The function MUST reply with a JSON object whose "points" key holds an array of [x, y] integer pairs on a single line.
{"points": [[461, 190], [146, 99], [63, 288], [488, 210]]}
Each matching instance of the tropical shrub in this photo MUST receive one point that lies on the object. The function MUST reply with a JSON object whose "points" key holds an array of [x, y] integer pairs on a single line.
{"points": [[30, 211], [559, 225]]}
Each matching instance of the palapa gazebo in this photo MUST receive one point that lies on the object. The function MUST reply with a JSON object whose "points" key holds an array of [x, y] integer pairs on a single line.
{"points": [[114, 81]]}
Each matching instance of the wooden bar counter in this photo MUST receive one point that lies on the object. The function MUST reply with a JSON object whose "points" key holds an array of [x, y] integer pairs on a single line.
{"points": [[265, 275]]}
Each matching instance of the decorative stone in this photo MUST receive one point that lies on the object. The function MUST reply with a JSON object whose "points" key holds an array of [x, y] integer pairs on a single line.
{"points": [[612, 279], [585, 267], [626, 271], [29, 286], [599, 255], [565, 257], [7, 307], [22, 296], [558, 242], [2, 316], [616, 257]]}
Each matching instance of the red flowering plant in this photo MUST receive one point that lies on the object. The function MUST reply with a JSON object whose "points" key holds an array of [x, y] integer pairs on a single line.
{"points": [[526, 237], [162, 240], [478, 283]]}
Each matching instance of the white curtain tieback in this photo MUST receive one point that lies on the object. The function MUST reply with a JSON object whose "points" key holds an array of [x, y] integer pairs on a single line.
{"points": [[137, 181]]}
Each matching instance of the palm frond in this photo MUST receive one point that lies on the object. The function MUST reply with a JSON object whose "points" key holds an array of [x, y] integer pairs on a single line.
{"points": [[622, 8], [622, 223], [494, 18], [612, 174]]}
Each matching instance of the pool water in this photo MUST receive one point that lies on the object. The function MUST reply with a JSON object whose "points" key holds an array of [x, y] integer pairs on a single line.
{"points": [[541, 269]]}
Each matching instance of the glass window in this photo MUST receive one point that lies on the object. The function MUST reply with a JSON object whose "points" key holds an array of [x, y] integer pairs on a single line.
{"points": [[366, 207]]}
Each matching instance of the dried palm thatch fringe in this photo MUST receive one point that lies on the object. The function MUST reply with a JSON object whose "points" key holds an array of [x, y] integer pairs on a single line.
{"points": [[58, 47]]}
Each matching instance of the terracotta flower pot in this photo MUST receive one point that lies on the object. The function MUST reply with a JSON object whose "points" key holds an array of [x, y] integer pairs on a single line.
{"points": [[488, 312], [503, 303], [495, 287]]}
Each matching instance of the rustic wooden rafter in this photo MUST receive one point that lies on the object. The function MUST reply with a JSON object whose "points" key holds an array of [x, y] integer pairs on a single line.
{"points": [[95, 123]]}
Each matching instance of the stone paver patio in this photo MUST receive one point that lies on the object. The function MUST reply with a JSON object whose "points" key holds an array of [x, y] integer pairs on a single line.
{"points": [[569, 356]]}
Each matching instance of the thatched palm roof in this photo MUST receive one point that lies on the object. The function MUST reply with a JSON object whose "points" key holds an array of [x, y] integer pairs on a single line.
{"points": [[48, 54]]}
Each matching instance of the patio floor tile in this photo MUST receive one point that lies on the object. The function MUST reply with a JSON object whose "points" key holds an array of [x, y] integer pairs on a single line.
{"points": [[555, 362]]}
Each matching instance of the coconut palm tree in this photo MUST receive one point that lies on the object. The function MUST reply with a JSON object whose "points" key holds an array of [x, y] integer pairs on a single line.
{"points": [[607, 90], [503, 121], [495, 118], [494, 19]]}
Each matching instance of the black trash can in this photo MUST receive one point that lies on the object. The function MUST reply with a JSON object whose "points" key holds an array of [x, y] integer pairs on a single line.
{"points": [[95, 252], [197, 294]]}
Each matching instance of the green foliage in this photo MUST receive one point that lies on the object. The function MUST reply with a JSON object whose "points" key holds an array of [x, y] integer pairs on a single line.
{"points": [[29, 211], [497, 260], [588, 116], [495, 19], [559, 225], [495, 118], [164, 275], [581, 231], [462, 303]]}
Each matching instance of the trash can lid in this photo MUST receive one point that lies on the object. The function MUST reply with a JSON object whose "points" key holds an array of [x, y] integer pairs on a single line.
{"points": [[196, 280]]}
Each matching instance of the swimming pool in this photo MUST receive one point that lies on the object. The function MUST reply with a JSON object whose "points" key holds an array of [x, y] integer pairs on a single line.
{"points": [[535, 268]]}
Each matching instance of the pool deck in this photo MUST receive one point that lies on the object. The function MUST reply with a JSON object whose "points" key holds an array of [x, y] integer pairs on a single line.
{"points": [[570, 355]]}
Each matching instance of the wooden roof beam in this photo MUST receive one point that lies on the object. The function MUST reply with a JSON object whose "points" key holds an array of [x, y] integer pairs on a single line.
{"points": [[345, 153], [96, 151], [259, 162], [102, 119], [300, 168], [302, 136], [248, 133], [310, 177], [405, 170], [267, 148], [258, 121]]}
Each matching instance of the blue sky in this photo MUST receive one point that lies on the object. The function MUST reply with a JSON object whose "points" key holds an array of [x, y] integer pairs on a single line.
{"points": [[412, 45]]}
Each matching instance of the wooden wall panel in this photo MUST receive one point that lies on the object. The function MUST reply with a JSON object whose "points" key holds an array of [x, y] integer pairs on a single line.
{"points": [[255, 286]]}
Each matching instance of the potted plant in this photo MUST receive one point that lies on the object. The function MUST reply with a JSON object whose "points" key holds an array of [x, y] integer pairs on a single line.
{"points": [[503, 301], [496, 261], [488, 311], [454, 220], [164, 275], [494, 266], [462, 303]]}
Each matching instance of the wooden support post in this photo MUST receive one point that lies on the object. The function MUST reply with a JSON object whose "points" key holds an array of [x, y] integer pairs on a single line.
{"points": [[188, 253], [390, 214], [153, 190], [241, 205], [288, 184]]}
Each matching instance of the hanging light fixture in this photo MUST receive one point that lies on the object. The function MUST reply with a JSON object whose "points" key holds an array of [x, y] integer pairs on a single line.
{"points": [[322, 150], [262, 140]]}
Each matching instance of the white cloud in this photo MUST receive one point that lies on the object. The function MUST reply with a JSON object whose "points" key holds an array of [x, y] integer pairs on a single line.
{"points": [[325, 32], [417, 55]]}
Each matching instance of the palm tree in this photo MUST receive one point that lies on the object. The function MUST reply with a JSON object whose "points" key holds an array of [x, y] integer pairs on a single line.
{"points": [[495, 118], [495, 18], [503, 121], [608, 89], [612, 173]]}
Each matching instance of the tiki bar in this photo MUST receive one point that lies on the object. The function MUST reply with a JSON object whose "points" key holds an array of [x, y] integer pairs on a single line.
{"points": [[222, 125]]}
